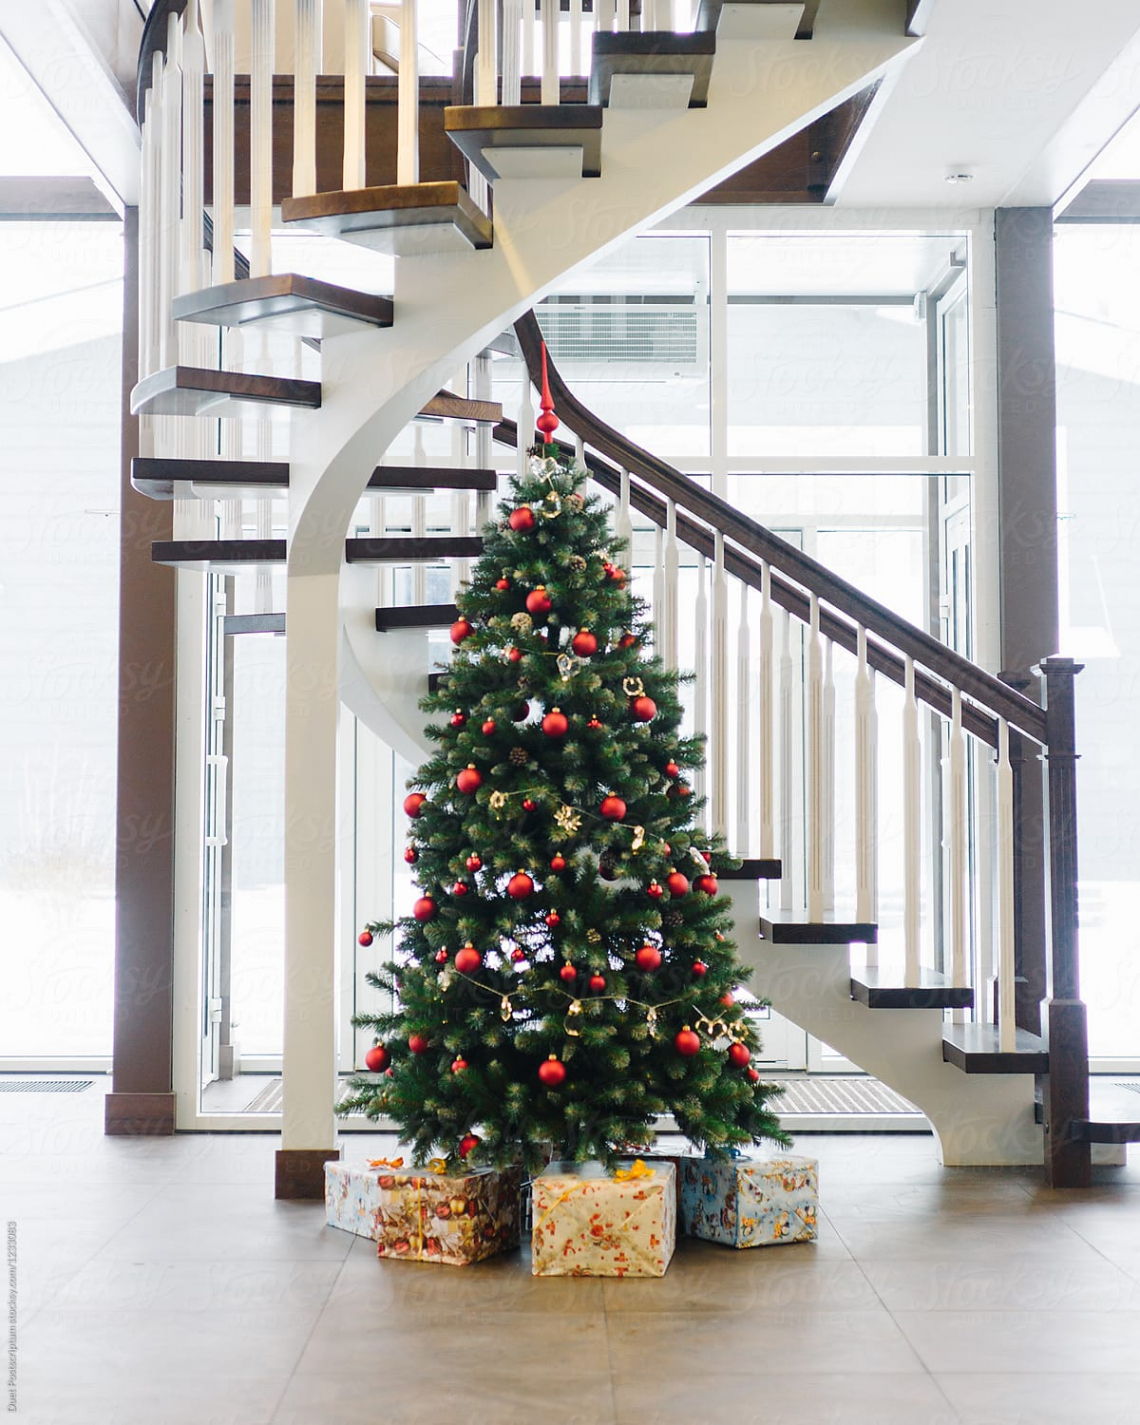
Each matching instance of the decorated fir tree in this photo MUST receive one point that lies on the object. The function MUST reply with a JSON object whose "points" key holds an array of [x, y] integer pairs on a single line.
{"points": [[565, 975]]}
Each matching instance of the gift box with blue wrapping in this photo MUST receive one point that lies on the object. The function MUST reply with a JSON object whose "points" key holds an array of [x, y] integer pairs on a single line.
{"points": [[746, 1202]]}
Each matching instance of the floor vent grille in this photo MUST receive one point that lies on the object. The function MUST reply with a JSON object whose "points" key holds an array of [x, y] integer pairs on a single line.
{"points": [[44, 1085]]}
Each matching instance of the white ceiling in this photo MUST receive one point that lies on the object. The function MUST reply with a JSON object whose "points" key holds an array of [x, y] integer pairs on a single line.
{"points": [[1021, 92]]}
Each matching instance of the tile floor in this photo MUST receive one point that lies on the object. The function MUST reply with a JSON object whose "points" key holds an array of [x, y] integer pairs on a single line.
{"points": [[160, 1284]]}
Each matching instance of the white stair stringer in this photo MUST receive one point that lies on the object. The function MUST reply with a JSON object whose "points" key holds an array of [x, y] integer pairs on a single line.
{"points": [[978, 1119], [382, 676]]}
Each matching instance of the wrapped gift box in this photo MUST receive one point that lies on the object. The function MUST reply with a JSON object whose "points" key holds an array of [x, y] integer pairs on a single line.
{"points": [[426, 1216], [592, 1223], [747, 1203]]}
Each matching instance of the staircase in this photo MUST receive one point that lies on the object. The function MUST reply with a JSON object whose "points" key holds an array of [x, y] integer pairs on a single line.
{"points": [[536, 190]]}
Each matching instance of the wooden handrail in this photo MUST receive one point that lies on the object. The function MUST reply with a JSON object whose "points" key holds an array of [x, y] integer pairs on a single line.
{"points": [[845, 601]]}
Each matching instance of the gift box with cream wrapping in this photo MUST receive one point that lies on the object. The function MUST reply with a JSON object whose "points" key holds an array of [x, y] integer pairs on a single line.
{"points": [[424, 1215], [745, 1202], [592, 1223]]}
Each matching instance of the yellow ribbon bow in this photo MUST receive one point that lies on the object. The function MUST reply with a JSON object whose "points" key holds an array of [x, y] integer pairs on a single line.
{"points": [[639, 1170], [385, 1162], [438, 1165]]}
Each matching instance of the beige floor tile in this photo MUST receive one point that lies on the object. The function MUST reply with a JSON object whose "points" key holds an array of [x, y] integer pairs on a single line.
{"points": [[125, 1399], [198, 1286], [1008, 1283], [941, 1237], [667, 1344], [567, 1392], [773, 1398], [1053, 1398], [1025, 1341]]}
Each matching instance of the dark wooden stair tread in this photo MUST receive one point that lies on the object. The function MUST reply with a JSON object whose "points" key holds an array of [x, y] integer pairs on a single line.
{"points": [[1114, 1115], [756, 868], [415, 616], [401, 549], [709, 11], [396, 218], [286, 302], [653, 52], [195, 391], [218, 555], [880, 988], [164, 479], [447, 406], [792, 928], [976, 1049], [477, 131]]}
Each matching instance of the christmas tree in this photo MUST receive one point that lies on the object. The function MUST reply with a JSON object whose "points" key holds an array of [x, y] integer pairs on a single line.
{"points": [[566, 975]]}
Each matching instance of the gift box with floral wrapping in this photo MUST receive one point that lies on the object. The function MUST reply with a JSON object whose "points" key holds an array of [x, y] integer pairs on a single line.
{"points": [[745, 1202], [592, 1223]]}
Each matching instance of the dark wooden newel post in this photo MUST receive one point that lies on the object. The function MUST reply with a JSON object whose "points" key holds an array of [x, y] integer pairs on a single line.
{"points": [[1066, 1095]]}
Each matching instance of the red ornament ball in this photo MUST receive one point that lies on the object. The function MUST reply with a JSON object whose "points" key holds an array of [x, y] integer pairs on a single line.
{"points": [[627, 640], [584, 644], [555, 723], [459, 889], [738, 1055], [521, 519], [568, 973], [468, 960], [466, 1143], [613, 808], [538, 601], [364, 938], [754, 1075], [672, 770], [558, 863], [648, 958], [441, 955], [503, 584], [726, 999], [593, 724], [683, 790], [489, 727], [458, 719], [643, 709], [687, 1043], [470, 779], [520, 886], [700, 969], [552, 1072], [597, 983], [413, 803], [458, 1064], [654, 891], [529, 804], [707, 857], [707, 885], [518, 954], [514, 655], [424, 909], [418, 1043], [460, 630], [677, 883], [410, 854], [473, 862], [553, 919], [376, 1060]]}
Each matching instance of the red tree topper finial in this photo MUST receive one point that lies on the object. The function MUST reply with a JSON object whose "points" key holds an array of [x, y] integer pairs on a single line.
{"points": [[547, 422]]}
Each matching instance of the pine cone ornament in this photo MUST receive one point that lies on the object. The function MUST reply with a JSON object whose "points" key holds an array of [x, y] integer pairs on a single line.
{"points": [[518, 756]]}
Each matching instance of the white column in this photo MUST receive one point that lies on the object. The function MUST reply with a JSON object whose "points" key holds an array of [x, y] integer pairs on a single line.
{"points": [[718, 690], [866, 795], [357, 63], [817, 812], [1007, 1009], [306, 66], [311, 715], [223, 18], [912, 830], [261, 138]]}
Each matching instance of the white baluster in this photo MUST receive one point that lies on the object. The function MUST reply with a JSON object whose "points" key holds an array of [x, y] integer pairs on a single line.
{"points": [[912, 830], [828, 776], [550, 80], [817, 810], [525, 424], [223, 141], [461, 500], [603, 14], [193, 273], [261, 138], [150, 208], [483, 445], [743, 727], [579, 451], [170, 176], [623, 15], [787, 765], [1007, 1009], [718, 690], [306, 67], [658, 588], [419, 521], [357, 63], [512, 52], [487, 59], [528, 21], [866, 796], [667, 610], [576, 37], [956, 834], [623, 523], [767, 746], [701, 681], [663, 15]]}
